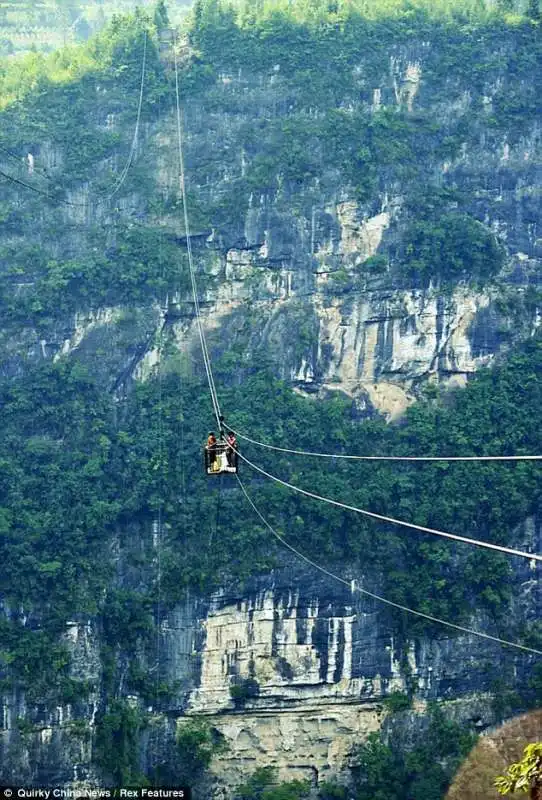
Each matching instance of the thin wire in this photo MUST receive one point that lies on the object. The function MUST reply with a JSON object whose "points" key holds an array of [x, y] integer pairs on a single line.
{"points": [[161, 484], [392, 520], [298, 489], [203, 343], [35, 189], [354, 587], [382, 458], [136, 130], [125, 169], [205, 352], [40, 173]]}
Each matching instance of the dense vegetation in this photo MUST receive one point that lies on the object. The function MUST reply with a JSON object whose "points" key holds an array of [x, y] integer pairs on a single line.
{"points": [[75, 111], [84, 474], [382, 768], [74, 467], [316, 12], [317, 122]]}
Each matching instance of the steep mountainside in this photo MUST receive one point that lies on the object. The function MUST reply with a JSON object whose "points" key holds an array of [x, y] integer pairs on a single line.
{"points": [[365, 206]]}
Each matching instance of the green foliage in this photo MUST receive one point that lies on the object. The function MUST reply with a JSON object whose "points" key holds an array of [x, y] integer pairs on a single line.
{"points": [[116, 749], [66, 99], [339, 282], [325, 128], [506, 702], [376, 773], [533, 10], [126, 617], [321, 12], [161, 17], [116, 49], [142, 264], [262, 785], [74, 467], [243, 690], [39, 663], [452, 247], [525, 775], [197, 743], [397, 701], [80, 729], [374, 265], [53, 465], [332, 791], [389, 772], [324, 125]]}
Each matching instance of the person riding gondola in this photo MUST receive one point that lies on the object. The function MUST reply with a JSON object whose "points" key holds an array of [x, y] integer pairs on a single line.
{"points": [[231, 453], [211, 450], [220, 455]]}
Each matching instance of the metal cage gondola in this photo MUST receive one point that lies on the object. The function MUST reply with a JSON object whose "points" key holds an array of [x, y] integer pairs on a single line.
{"points": [[220, 458]]}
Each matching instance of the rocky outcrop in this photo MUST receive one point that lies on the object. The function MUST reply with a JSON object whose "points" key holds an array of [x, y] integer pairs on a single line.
{"points": [[300, 252], [293, 670], [309, 662]]}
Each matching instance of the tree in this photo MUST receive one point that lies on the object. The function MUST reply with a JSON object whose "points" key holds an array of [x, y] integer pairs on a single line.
{"points": [[161, 18], [525, 775], [197, 743], [117, 742], [262, 785], [533, 10]]}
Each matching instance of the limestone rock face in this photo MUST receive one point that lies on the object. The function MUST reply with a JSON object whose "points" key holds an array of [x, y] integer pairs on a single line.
{"points": [[282, 251], [308, 274], [309, 744], [312, 660], [54, 745], [319, 660]]}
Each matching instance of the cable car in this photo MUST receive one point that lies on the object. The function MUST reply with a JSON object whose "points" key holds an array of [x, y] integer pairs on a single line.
{"points": [[219, 456]]}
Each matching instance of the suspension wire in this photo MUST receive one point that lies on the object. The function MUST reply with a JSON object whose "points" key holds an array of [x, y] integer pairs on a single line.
{"points": [[20, 182], [203, 343], [392, 520], [354, 587], [216, 407], [205, 352], [380, 458], [136, 130], [40, 173], [182, 448], [161, 484], [125, 170]]}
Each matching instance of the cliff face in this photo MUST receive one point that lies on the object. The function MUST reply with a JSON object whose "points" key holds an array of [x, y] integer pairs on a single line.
{"points": [[314, 662], [311, 275], [274, 252], [324, 661]]}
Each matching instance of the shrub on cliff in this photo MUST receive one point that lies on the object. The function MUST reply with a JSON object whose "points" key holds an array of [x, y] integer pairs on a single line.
{"points": [[263, 785], [244, 690], [451, 247]]}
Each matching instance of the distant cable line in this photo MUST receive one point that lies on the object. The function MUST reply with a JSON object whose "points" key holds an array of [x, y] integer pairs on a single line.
{"points": [[201, 332], [125, 169], [41, 173], [136, 131], [355, 588], [381, 458], [391, 520], [216, 408], [20, 182]]}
